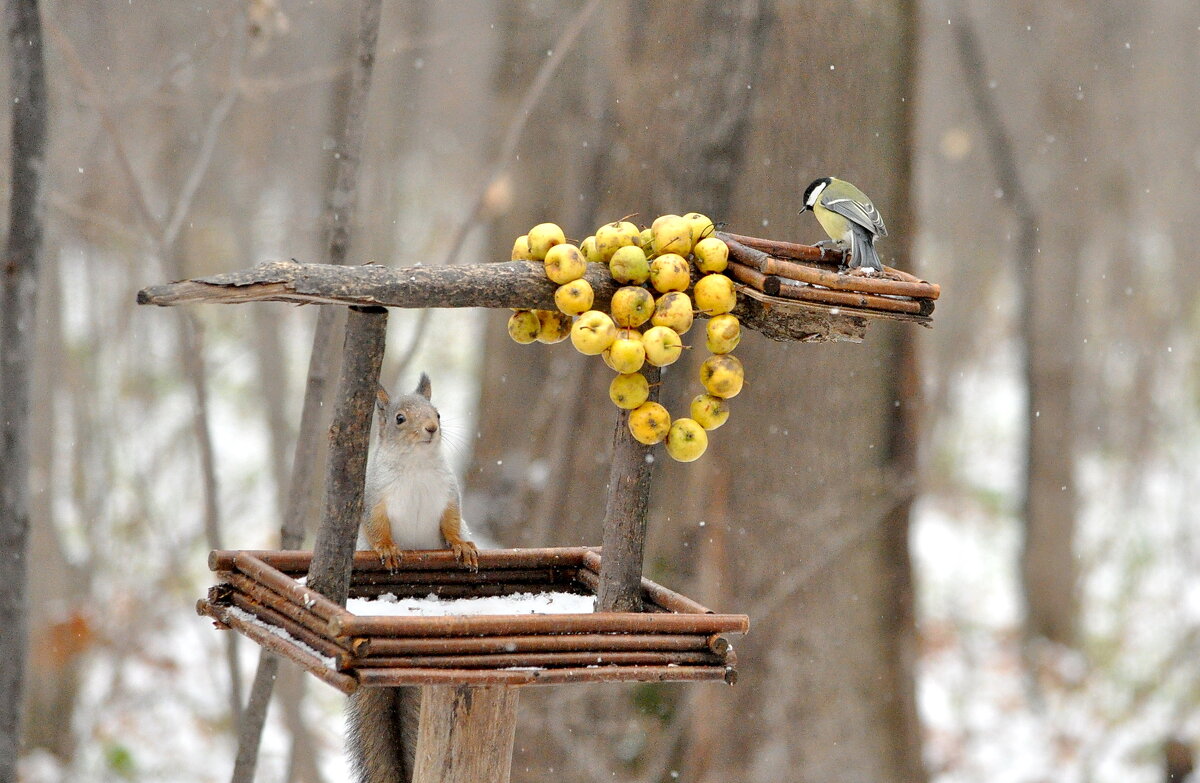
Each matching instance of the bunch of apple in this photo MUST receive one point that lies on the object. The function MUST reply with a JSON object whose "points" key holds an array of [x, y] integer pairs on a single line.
{"points": [[649, 315]]}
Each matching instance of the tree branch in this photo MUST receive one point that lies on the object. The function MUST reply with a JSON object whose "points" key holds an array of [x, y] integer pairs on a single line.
{"points": [[517, 284]]}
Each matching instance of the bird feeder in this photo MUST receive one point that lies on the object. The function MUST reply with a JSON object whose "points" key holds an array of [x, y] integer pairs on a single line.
{"points": [[470, 667]]}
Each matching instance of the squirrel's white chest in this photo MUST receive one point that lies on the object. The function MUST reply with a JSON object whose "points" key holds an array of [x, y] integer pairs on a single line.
{"points": [[415, 505]]}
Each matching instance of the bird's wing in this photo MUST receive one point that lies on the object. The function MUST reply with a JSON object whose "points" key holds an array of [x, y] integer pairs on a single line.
{"points": [[861, 212]]}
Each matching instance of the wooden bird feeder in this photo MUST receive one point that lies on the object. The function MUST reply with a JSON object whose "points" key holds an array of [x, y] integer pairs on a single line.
{"points": [[673, 639], [470, 666]]}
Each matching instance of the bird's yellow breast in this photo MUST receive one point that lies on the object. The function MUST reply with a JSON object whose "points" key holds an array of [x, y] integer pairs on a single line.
{"points": [[836, 226]]}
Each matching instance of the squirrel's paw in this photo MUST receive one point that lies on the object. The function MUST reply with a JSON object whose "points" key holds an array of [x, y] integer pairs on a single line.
{"points": [[390, 556], [467, 554]]}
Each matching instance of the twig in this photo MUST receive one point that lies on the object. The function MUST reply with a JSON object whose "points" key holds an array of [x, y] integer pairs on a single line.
{"points": [[99, 102], [212, 132]]}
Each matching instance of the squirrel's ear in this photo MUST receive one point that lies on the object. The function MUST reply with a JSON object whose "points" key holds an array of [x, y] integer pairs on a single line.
{"points": [[381, 397], [424, 387]]}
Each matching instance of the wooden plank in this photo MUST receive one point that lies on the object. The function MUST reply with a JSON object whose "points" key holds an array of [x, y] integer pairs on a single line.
{"points": [[466, 734]]}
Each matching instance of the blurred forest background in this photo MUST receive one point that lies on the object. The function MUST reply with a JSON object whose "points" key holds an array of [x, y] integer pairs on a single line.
{"points": [[968, 553]]}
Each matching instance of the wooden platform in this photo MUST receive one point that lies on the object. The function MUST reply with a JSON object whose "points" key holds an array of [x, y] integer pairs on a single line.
{"points": [[675, 638]]}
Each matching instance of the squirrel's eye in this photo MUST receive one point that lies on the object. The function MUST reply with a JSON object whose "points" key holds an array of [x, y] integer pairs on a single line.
{"points": [[400, 418], [439, 415]]}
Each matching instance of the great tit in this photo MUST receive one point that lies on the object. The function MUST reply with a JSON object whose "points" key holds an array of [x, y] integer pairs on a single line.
{"points": [[849, 218]]}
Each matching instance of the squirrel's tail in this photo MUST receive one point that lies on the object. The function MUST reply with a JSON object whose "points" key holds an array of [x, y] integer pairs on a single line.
{"points": [[381, 733]]}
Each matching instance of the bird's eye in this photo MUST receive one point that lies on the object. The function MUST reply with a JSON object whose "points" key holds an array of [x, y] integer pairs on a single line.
{"points": [[400, 419]]}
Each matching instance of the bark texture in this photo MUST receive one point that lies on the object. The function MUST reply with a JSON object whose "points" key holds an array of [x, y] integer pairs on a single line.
{"points": [[19, 274], [362, 356], [516, 284]]}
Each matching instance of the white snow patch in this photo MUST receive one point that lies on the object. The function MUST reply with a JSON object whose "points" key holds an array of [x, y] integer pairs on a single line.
{"points": [[275, 630], [433, 606]]}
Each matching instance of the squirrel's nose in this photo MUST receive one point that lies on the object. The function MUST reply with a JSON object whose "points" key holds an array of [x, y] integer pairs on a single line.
{"points": [[431, 427]]}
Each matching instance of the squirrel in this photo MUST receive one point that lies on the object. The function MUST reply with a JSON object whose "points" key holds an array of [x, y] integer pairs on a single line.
{"points": [[411, 501]]}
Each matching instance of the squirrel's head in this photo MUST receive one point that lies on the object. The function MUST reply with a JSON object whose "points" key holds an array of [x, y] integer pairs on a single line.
{"points": [[411, 419]]}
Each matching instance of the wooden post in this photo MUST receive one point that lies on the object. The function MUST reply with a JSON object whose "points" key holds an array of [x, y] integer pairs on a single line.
{"points": [[466, 734], [333, 550], [625, 515]]}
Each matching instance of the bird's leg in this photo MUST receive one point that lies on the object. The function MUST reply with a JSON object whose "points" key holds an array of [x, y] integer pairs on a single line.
{"points": [[832, 244]]}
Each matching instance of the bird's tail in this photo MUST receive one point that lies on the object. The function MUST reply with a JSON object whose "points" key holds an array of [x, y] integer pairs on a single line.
{"points": [[862, 250]]}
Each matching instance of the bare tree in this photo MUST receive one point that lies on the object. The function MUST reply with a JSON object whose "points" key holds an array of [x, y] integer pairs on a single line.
{"points": [[1046, 322]]}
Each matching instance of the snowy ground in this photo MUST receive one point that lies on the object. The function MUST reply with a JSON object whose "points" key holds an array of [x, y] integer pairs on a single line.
{"points": [[995, 711]]}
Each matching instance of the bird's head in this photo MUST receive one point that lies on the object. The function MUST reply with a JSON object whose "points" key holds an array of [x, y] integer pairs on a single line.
{"points": [[814, 190]]}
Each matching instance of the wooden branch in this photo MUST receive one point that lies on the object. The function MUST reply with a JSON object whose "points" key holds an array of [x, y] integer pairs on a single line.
{"points": [[333, 550], [520, 625], [390, 678], [516, 284], [272, 600], [466, 734], [577, 642], [556, 659], [625, 515], [777, 286], [779, 249], [298, 594], [306, 635], [651, 591], [895, 282], [277, 645], [297, 561]]}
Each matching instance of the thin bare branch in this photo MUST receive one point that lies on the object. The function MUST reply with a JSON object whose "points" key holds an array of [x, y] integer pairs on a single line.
{"points": [[212, 132], [99, 101], [520, 119]]}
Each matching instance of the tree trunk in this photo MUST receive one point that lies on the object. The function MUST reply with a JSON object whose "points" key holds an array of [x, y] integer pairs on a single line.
{"points": [[818, 488], [18, 273]]}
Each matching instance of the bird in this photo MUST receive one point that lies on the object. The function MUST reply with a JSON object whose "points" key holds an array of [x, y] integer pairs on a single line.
{"points": [[850, 219]]}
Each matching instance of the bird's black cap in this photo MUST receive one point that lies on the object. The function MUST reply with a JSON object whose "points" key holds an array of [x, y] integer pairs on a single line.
{"points": [[813, 186]]}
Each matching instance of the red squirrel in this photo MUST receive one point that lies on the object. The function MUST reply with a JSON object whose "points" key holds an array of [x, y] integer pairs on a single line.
{"points": [[411, 501]]}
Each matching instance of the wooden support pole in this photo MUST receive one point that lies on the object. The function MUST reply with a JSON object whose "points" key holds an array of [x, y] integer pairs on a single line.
{"points": [[466, 734], [625, 515], [333, 550]]}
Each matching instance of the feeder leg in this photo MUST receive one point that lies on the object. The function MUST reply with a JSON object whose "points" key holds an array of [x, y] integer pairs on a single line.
{"points": [[624, 539], [466, 734]]}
